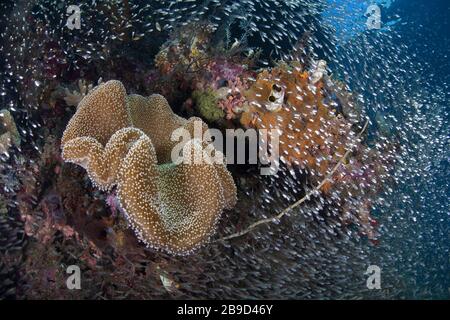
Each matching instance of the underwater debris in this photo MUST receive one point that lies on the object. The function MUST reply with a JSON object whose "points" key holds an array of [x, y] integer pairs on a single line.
{"points": [[171, 207], [9, 136], [168, 283]]}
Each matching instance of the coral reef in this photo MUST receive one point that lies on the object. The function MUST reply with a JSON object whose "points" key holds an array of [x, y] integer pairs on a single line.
{"points": [[316, 116], [171, 206], [207, 74], [232, 100], [151, 114], [188, 48], [314, 136], [71, 223], [123, 142], [312, 133]]}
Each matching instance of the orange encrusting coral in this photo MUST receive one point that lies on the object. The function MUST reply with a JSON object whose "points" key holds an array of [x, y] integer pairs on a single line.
{"points": [[312, 135]]}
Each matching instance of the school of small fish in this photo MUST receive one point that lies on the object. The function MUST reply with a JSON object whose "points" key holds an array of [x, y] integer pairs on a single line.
{"points": [[304, 256]]}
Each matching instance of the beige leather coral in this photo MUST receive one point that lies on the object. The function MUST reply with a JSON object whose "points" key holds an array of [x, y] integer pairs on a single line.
{"points": [[99, 114], [173, 207]]}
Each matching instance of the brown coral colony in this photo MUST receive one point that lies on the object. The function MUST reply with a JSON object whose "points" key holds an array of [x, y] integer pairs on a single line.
{"points": [[124, 141]]}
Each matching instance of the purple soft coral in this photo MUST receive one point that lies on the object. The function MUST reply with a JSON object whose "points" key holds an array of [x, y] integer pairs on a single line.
{"points": [[223, 70]]}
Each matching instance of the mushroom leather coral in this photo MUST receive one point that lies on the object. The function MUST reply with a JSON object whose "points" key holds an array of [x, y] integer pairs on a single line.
{"points": [[162, 215], [99, 114], [173, 207], [151, 114]]}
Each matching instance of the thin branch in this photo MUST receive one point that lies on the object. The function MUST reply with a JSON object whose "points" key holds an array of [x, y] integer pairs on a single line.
{"points": [[298, 202]]}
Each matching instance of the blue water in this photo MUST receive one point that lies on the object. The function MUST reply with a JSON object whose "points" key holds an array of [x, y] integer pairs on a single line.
{"points": [[423, 27]]}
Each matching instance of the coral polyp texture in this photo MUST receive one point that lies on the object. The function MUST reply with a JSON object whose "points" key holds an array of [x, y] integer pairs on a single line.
{"points": [[99, 115], [171, 206], [175, 206], [286, 98], [151, 114], [302, 105]]}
